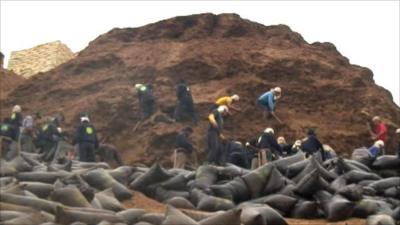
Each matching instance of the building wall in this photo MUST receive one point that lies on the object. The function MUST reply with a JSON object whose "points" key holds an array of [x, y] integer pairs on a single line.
{"points": [[41, 58]]}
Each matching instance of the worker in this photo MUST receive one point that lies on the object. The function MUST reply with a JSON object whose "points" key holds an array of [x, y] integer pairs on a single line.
{"points": [[28, 134], [236, 154], [214, 133], [376, 149], [252, 153], [285, 147], [48, 137], [146, 99], [8, 137], [398, 142], [269, 147], [16, 119], [311, 145], [228, 101], [380, 131], [185, 104], [268, 102], [86, 138], [184, 150]]}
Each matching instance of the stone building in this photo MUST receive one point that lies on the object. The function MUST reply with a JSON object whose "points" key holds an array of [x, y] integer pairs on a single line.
{"points": [[41, 58]]}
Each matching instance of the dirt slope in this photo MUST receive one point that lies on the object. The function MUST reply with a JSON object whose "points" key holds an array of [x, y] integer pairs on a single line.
{"points": [[8, 82], [217, 55]]}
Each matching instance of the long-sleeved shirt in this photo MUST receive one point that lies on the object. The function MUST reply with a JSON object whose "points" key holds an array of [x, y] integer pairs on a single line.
{"points": [[267, 140], [181, 141], [268, 99], [381, 132], [16, 119], [311, 145], [374, 151], [224, 101]]}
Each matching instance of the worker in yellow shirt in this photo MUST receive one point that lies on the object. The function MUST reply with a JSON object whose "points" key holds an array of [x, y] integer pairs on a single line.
{"points": [[227, 101]]}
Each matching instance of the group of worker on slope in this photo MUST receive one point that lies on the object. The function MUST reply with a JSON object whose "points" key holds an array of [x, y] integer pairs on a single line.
{"points": [[47, 137], [255, 152], [35, 134]]}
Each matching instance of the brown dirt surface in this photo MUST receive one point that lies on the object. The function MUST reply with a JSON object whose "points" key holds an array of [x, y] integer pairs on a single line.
{"points": [[141, 201], [8, 82], [218, 55]]}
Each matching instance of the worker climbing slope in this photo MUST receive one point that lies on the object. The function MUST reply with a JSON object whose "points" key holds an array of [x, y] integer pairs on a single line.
{"points": [[214, 134]]}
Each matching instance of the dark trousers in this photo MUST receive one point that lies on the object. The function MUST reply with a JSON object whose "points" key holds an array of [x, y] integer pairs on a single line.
{"points": [[185, 109], [147, 108], [214, 146], [86, 152]]}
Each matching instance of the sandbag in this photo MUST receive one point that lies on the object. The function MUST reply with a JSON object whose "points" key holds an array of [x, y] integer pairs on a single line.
{"points": [[256, 179], [309, 184], [387, 162], [35, 203], [231, 217], [295, 168], [69, 196], [366, 207], [235, 190], [261, 215], [351, 192], [20, 164], [66, 216], [206, 175], [178, 183], [180, 202], [211, 204], [153, 218], [7, 169], [108, 201], [42, 190], [44, 177], [156, 174], [362, 155], [380, 220], [121, 174], [27, 219], [162, 195], [355, 176], [275, 182], [8, 215], [279, 202], [175, 217], [131, 216], [283, 163], [101, 180], [305, 210], [335, 208], [314, 164], [393, 192], [383, 184], [231, 170]]}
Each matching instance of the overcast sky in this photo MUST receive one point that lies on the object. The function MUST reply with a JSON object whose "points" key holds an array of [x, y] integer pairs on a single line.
{"points": [[365, 32]]}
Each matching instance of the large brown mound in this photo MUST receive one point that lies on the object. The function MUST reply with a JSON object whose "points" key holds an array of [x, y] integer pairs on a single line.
{"points": [[8, 82], [217, 55]]}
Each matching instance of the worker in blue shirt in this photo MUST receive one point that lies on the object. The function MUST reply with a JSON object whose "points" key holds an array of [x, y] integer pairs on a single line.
{"points": [[268, 102]]}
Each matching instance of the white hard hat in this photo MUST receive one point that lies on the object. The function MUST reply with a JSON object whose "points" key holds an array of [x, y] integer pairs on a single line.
{"points": [[398, 131], [269, 130], [278, 89], [59, 130], [85, 118], [379, 144], [235, 97], [223, 108], [138, 86], [16, 108], [376, 118]]}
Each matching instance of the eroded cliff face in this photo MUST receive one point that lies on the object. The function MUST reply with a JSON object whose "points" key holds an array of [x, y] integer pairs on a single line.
{"points": [[218, 55]]}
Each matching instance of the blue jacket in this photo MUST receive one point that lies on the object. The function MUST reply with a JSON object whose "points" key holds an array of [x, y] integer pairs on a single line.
{"points": [[374, 151], [268, 100]]}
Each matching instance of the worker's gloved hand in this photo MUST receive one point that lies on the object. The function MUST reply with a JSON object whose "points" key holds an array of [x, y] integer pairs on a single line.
{"points": [[222, 136]]}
